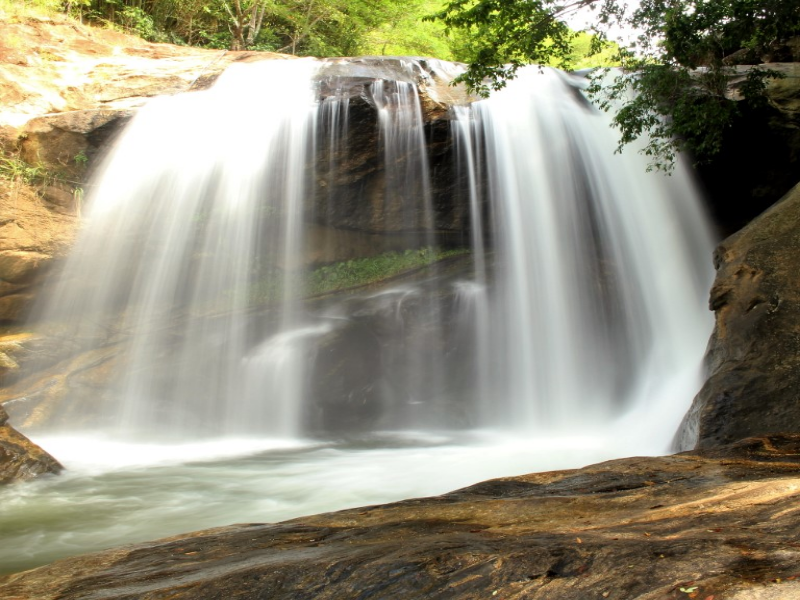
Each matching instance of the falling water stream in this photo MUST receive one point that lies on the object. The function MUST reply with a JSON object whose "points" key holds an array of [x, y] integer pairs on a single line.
{"points": [[569, 328]]}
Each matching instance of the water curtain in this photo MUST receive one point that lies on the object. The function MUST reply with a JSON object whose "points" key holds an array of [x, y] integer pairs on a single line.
{"points": [[555, 285]]}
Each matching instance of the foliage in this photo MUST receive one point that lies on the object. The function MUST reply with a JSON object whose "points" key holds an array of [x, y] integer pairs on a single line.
{"points": [[363, 271], [402, 32], [668, 101], [350, 273], [24, 8], [18, 171], [302, 27], [497, 37], [135, 20], [81, 159], [589, 52]]}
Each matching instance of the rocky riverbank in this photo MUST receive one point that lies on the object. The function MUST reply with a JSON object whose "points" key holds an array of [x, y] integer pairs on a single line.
{"points": [[717, 524]]}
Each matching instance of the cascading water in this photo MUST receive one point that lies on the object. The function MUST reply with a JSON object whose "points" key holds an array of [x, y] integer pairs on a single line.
{"points": [[567, 324], [181, 235], [597, 302]]}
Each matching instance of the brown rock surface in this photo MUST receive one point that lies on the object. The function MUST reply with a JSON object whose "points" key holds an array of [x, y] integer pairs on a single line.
{"points": [[33, 233], [57, 65], [720, 524], [753, 386], [19, 457]]}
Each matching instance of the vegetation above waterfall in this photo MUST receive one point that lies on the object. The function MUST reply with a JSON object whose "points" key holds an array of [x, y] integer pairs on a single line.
{"points": [[683, 54], [301, 27]]}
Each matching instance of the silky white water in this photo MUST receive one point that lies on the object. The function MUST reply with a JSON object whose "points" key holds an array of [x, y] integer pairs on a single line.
{"points": [[598, 303], [115, 493], [571, 330]]}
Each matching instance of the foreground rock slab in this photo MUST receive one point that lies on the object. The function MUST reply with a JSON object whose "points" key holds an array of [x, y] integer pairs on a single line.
{"points": [[717, 524]]}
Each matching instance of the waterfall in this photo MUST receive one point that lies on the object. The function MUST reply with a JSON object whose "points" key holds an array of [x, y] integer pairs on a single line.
{"points": [[298, 291], [598, 303], [180, 235], [576, 303]]}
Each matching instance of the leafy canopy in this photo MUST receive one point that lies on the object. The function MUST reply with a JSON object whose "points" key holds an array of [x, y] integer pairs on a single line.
{"points": [[674, 105]]}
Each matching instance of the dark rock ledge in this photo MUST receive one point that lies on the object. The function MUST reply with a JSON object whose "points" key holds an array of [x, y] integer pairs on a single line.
{"points": [[714, 524]]}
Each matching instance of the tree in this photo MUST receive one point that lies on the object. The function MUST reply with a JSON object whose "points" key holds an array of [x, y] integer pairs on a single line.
{"points": [[401, 31], [676, 105], [244, 18]]}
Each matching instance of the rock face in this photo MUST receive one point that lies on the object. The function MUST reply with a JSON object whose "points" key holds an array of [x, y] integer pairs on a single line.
{"points": [[753, 386], [33, 233], [718, 524], [358, 190], [19, 457]]}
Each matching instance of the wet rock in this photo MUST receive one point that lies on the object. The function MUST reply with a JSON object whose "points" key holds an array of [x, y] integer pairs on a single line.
{"points": [[754, 352], [720, 524], [19, 457], [32, 236], [346, 387], [353, 192], [65, 141], [375, 368]]}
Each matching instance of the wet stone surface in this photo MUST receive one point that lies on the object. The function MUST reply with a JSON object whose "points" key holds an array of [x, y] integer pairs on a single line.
{"points": [[19, 457]]}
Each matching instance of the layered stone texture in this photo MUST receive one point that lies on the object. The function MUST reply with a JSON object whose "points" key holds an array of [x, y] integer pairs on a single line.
{"points": [[19, 457], [753, 386]]}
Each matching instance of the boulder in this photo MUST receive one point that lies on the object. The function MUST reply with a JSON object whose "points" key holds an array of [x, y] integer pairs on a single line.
{"points": [[20, 458], [753, 387], [17, 266], [718, 524], [66, 141]]}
